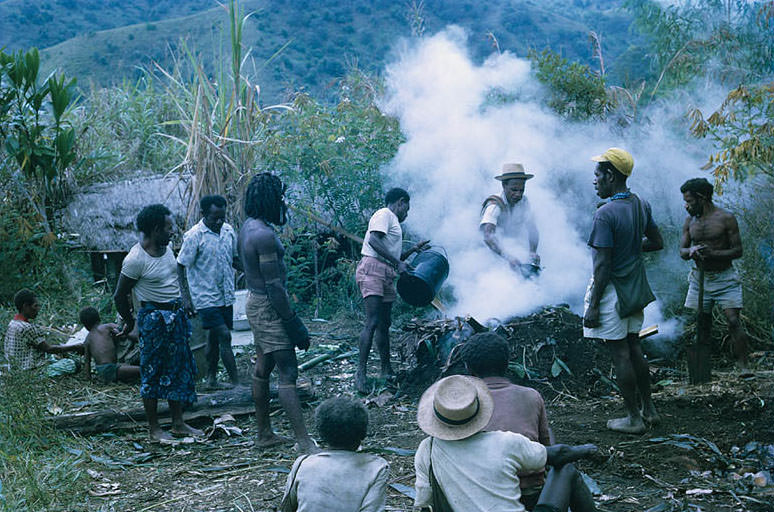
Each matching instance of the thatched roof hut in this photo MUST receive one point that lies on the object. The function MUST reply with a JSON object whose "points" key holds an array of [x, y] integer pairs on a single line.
{"points": [[102, 216]]}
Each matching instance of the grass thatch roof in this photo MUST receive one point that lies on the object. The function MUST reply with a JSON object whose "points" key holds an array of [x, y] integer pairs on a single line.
{"points": [[103, 215]]}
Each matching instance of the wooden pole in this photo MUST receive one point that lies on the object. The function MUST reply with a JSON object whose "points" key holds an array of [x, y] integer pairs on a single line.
{"points": [[698, 353]]}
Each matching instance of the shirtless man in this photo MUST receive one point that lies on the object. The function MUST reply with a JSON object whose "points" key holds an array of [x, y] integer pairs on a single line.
{"points": [[99, 345], [510, 213], [711, 239], [277, 330]]}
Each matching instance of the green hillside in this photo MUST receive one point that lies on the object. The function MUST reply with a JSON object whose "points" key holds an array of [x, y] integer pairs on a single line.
{"points": [[323, 38]]}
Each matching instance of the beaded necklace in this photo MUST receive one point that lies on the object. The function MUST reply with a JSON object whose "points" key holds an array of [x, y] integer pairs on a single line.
{"points": [[621, 195]]}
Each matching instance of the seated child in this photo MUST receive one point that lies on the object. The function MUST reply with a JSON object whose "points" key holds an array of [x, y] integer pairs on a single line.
{"points": [[25, 344], [339, 478], [100, 345]]}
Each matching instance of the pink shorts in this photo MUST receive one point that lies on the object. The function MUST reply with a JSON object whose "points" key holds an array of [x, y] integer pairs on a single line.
{"points": [[375, 277]]}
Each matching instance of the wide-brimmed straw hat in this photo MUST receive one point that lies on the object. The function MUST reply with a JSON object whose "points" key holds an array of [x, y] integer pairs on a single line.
{"points": [[513, 172], [455, 408]]}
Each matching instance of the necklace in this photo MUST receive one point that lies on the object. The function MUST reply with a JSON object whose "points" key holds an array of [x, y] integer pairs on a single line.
{"points": [[621, 195]]}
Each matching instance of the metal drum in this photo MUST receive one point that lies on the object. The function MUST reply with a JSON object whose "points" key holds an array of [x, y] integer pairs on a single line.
{"points": [[420, 285]]}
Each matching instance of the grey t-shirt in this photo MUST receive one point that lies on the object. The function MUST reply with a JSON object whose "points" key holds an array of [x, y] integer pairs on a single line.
{"points": [[615, 225]]}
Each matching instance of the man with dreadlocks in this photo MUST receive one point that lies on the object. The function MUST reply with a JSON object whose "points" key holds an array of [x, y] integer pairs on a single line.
{"points": [[276, 327]]}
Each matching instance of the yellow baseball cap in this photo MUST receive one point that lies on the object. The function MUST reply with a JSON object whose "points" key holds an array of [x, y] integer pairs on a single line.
{"points": [[619, 158]]}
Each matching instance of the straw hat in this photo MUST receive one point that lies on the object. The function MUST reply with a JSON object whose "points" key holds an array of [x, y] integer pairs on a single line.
{"points": [[455, 408], [513, 172]]}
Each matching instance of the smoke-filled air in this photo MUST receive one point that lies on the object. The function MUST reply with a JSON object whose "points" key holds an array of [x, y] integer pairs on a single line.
{"points": [[463, 121]]}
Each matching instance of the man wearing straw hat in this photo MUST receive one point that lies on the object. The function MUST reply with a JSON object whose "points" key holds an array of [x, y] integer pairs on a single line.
{"points": [[622, 229], [462, 468], [510, 213]]}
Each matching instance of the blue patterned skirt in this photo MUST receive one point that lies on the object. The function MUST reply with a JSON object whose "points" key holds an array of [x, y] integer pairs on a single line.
{"points": [[167, 366]]}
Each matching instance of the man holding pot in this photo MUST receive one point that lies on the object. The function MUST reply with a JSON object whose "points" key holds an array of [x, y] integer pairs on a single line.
{"points": [[381, 262]]}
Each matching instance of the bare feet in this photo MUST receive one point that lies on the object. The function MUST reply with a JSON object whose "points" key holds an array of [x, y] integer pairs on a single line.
{"points": [[361, 382], [267, 441], [186, 430], [157, 435], [627, 425]]}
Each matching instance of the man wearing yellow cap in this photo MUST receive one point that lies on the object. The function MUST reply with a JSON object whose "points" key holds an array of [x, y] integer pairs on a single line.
{"points": [[509, 214], [623, 228]]}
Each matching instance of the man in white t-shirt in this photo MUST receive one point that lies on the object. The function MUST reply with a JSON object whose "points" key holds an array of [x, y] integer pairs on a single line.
{"points": [[167, 366], [382, 260], [477, 471], [509, 215]]}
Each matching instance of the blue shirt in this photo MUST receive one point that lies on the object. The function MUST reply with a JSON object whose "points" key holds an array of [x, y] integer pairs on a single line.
{"points": [[208, 258]]}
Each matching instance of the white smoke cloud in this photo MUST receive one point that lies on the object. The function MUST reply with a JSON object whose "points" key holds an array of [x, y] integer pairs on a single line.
{"points": [[458, 139]]}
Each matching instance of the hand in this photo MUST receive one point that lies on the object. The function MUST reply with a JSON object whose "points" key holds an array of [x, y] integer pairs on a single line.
{"points": [[697, 252], [535, 258], [297, 332], [80, 348], [420, 246], [403, 267], [189, 308], [591, 318], [515, 263], [128, 328]]}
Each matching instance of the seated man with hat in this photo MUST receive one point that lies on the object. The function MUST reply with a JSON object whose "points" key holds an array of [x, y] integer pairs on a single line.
{"points": [[510, 213], [474, 470]]}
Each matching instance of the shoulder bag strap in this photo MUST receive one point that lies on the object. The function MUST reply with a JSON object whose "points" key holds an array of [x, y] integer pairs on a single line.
{"points": [[440, 503]]}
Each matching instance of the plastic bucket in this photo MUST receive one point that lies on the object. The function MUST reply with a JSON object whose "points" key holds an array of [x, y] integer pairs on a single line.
{"points": [[420, 285]]}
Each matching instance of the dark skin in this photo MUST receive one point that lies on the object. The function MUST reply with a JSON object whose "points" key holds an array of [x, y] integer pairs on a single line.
{"points": [[262, 257], [712, 240], [514, 192], [155, 244], [579, 497], [379, 313], [101, 346], [30, 312], [631, 368], [219, 338]]}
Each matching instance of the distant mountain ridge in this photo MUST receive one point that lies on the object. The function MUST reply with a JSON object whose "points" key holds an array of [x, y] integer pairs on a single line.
{"points": [[103, 42]]}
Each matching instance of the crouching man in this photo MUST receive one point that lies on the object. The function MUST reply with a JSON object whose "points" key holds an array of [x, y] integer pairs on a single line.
{"points": [[339, 478], [462, 468]]}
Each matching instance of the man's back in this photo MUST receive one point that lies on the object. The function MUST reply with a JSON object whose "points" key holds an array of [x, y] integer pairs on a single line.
{"points": [[100, 344], [479, 473], [339, 480]]}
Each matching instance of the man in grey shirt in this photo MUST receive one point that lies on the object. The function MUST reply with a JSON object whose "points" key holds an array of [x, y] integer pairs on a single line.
{"points": [[205, 267]]}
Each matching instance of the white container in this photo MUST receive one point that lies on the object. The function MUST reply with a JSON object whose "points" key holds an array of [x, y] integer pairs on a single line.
{"points": [[240, 316]]}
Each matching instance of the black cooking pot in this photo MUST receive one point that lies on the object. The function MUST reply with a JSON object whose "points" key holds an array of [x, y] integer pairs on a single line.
{"points": [[420, 285]]}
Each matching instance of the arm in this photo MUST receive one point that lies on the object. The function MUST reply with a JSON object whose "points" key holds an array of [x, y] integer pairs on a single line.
{"points": [[423, 493], [87, 357], [490, 239], [376, 241], [268, 261], [60, 349], [185, 291], [123, 302], [560, 454], [652, 240], [376, 498], [534, 237], [603, 266], [545, 435], [686, 250], [414, 248]]}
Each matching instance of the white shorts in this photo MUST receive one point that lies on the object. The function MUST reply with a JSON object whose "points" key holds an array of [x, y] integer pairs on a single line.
{"points": [[611, 326]]}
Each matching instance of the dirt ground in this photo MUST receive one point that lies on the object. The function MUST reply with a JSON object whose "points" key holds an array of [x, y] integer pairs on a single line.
{"points": [[711, 436]]}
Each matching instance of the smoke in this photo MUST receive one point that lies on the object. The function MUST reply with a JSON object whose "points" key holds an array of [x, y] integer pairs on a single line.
{"points": [[459, 133]]}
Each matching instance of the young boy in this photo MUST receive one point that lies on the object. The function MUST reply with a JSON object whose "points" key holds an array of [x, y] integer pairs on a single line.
{"points": [[339, 478], [99, 344]]}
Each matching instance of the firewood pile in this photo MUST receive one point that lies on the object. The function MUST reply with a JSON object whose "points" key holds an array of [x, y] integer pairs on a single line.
{"points": [[547, 351]]}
